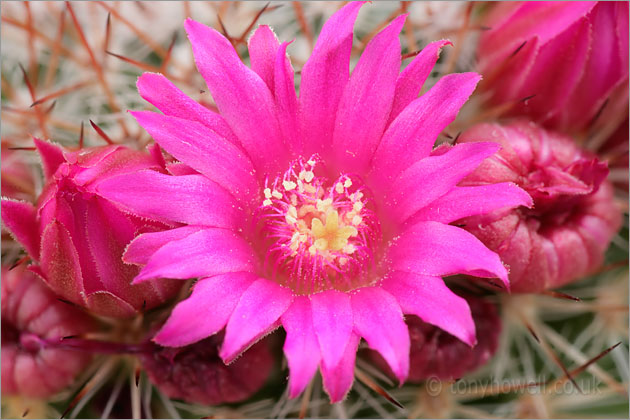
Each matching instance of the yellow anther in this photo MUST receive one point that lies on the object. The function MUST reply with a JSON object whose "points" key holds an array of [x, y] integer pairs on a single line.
{"points": [[339, 187], [267, 192], [347, 183], [291, 216], [276, 194], [306, 175], [306, 209], [309, 188], [289, 185], [322, 205]]}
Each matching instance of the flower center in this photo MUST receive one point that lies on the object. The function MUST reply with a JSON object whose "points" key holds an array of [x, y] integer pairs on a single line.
{"points": [[318, 234]]}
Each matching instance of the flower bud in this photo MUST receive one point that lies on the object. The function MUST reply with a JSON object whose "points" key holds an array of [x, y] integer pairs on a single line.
{"points": [[437, 354], [197, 374], [563, 64], [564, 236], [77, 238], [33, 323]]}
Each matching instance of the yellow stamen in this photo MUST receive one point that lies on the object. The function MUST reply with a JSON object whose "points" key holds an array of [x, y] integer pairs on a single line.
{"points": [[289, 185]]}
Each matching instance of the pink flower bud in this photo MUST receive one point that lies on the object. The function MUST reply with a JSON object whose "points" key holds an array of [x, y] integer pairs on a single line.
{"points": [[77, 238], [33, 323], [197, 374], [570, 59], [564, 236], [437, 354]]}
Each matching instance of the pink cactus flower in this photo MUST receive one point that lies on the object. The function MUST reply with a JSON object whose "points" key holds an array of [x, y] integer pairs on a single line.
{"points": [[567, 57], [197, 374], [33, 323], [437, 354], [313, 214], [76, 237], [564, 236]]}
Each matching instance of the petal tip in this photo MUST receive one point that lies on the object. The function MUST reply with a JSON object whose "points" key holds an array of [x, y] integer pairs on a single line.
{"points": [[143, 277], [146, 77]]}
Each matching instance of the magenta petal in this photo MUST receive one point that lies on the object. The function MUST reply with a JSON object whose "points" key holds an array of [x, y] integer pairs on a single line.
{"points": [[367, 99], [240, 94], [469, 201], [332, 320], [567, 54], [378, 319], [605, 67], [147, 193], [61, 261], [20, 219], [338, 379], [102, 163], [286, 100], [208, 252], [51, 154], [324, 78], [262, 46], [165, 96], [436, 249], [178, 169], [428, 298], [622, 31], [525, 22], [412, 134], [156, 153], [412, 78], [203, 150], [511, 79], [140, 250], [434, 176], [300, 346], [107, 232], [206, 311], [260, 306]]}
